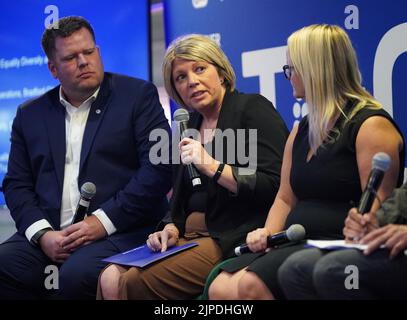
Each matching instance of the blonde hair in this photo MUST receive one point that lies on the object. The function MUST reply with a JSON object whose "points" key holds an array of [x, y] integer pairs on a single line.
{"points": [[196, 47], [325, 60]]}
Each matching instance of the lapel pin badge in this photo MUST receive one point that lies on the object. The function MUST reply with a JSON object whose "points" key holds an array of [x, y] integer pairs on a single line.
{"points": [[98, 111]]}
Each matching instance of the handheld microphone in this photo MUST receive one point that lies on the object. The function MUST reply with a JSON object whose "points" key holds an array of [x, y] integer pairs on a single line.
{"points": [[295, 232], [182, 117], [88, 190], [380, 163]]}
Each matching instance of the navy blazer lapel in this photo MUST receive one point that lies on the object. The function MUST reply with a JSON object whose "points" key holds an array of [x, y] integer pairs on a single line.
{"points": [[55, 122], [96, 114]]}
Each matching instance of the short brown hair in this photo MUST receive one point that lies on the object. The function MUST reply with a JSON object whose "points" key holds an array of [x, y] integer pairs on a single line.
{"points": [[196, 47], [63, 28]]}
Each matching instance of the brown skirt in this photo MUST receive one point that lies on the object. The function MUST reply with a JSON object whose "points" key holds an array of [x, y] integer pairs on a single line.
{"points": [[179, 277]]}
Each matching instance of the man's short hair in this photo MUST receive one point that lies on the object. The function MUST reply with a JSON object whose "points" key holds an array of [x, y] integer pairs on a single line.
{"points": [[63, 28]]}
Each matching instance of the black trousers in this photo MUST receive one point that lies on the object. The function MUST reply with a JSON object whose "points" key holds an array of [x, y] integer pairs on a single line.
{"points": [[344, 274]]}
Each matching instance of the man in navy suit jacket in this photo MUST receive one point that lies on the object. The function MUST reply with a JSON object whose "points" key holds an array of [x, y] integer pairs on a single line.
{"points": [[94, 127]]}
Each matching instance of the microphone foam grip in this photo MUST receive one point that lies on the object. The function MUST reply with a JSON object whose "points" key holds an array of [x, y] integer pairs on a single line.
{"points": [[381, 161], [295, 232], [181, 115], [88, 190]]}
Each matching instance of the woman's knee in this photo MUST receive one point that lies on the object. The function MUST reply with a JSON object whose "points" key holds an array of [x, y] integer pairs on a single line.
{"points": [[251, 287], [109, 282], [221, 287]]}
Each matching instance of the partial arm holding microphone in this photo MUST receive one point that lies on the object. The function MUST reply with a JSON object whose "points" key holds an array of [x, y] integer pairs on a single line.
{"points": [[380, 164], [295, 232]]}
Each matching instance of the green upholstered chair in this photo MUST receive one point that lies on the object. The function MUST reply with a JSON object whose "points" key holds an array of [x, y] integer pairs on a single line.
{"points": [[212, 275]]}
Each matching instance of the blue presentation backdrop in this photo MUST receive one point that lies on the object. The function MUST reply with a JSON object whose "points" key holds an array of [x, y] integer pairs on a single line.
{"points": [[122, 32], [253, 34]]}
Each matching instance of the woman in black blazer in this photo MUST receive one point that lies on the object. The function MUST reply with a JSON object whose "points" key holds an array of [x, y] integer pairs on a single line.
{"points": [[238, 153]]}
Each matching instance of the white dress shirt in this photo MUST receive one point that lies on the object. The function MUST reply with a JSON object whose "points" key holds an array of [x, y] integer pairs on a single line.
{"points": [[75, 123]]}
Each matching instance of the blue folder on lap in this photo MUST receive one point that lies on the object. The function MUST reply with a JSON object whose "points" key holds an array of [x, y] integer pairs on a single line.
{"points": [[142, 256]]}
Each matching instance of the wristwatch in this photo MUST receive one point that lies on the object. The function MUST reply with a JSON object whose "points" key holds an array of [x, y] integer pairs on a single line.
{"points": [[36, 237]]}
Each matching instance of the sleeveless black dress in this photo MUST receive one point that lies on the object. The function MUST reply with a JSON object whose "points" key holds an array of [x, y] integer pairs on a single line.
{"points": [[326, 187]]}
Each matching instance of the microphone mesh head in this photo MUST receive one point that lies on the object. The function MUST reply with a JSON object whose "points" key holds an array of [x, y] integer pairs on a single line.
{"points": [[181, 115], [381, 161], [295, 232], [88, 190]]}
